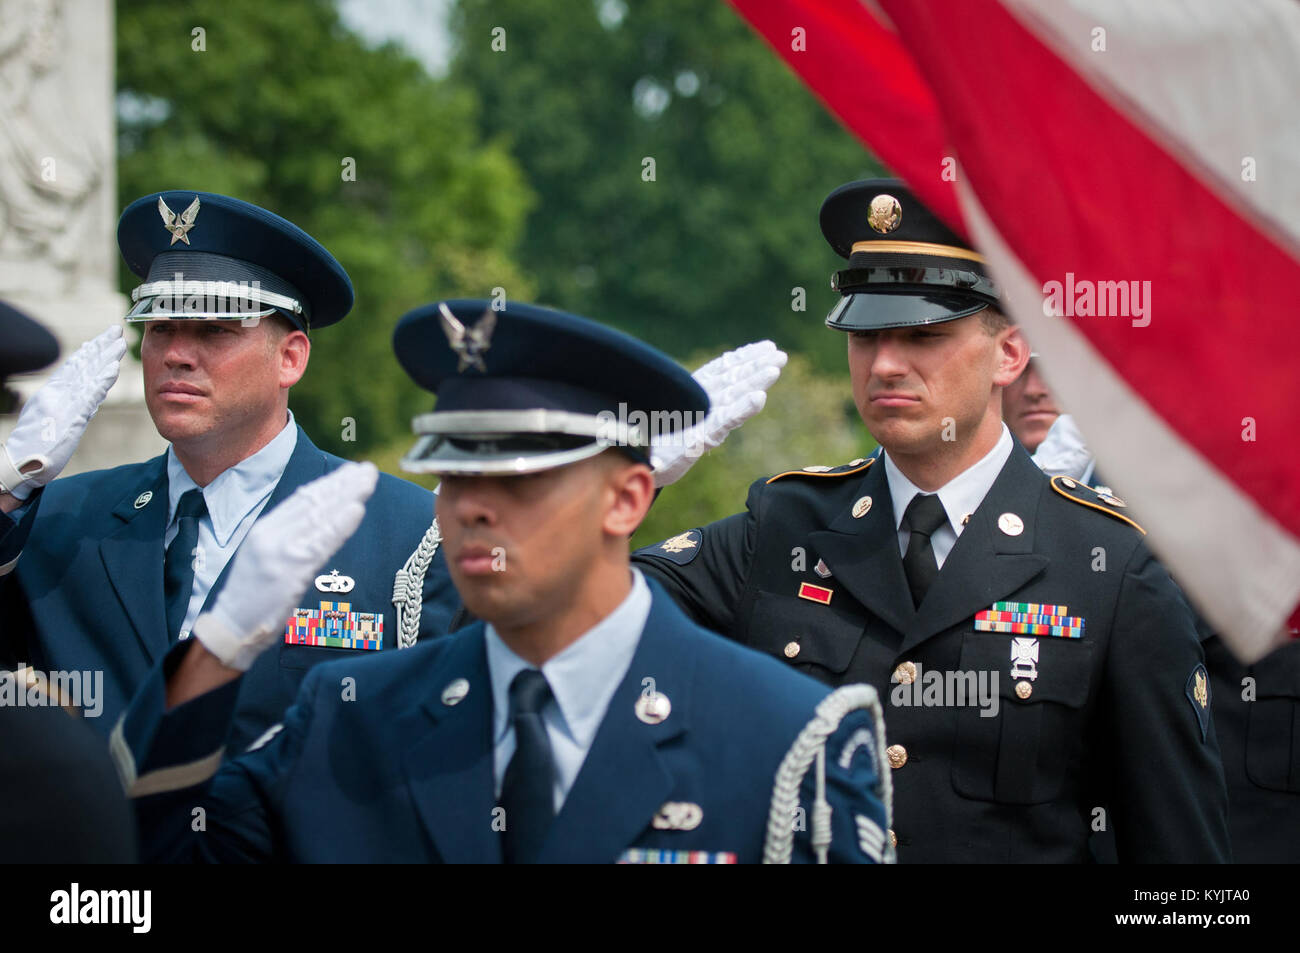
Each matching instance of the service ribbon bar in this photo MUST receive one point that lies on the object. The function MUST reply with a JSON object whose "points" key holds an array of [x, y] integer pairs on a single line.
{"points": [[334, 625], [641, 855], [1030, 618], [1030, 608]]}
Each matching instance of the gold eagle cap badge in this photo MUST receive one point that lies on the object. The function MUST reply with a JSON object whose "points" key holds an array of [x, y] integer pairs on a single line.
{"points": [[469, 343], [180, 225], [678, 543], [885, 214]]}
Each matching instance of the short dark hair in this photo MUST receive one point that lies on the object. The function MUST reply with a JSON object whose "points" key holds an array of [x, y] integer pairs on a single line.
{"points": [[994, 320]]}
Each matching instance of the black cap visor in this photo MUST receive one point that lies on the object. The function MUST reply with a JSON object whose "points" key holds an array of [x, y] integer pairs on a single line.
{"points": [[878, 310]]}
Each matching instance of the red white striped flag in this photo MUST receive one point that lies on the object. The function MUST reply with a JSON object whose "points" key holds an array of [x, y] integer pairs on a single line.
{"points": [[1131, 171]]}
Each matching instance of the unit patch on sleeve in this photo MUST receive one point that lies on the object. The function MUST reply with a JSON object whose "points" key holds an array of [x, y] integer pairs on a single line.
{"points": [[1198, 693], [680, 549]]}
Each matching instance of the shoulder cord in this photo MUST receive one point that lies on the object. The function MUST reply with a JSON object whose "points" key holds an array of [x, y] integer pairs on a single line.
{"points": [[408, 587], [810, 745]]}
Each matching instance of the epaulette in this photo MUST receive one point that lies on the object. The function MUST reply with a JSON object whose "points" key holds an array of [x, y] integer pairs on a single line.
{"points": [[844, 469], [1085, 495]]}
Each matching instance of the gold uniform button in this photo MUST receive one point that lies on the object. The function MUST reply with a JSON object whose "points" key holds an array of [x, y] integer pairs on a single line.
{"points": [[897, 756], [893, 838], [791, 649], [905, 674], [1024, 690]]}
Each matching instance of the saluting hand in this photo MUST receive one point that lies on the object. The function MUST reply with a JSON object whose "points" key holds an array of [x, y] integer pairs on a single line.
{"points": [[52, 422], [737, 383], [277, 561]]}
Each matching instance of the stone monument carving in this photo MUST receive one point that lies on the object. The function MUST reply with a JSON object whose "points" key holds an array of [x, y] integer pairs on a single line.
{"points": [[58, 201]]}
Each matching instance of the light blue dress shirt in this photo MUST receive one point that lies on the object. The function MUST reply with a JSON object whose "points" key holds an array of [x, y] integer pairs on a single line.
{"points": [[235, 499], [960, 496], [583, 678]]}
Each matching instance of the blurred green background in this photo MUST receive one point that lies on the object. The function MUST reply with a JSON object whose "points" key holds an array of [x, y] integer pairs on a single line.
{"points": [[521, 164]]}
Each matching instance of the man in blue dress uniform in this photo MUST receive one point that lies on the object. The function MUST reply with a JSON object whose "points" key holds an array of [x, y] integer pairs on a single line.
{"points": [[584, 719], [117, 564]]}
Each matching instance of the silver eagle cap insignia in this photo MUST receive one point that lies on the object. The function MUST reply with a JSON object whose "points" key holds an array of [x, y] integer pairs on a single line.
{"points": [[180, 225], [469, 343]]}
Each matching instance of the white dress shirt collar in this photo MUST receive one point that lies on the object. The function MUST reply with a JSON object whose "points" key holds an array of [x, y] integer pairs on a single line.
{"points": [[583, 677], [961, 495], [238, 489]]}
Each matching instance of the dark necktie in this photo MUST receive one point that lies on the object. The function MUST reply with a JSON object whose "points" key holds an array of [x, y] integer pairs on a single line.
{"points": [[526, 789], [924, 515], [178, 565]]}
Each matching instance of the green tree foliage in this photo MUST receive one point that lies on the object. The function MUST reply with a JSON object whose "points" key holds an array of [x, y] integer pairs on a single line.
{"points": [[266, 104], [707, 254], [809, 419]]}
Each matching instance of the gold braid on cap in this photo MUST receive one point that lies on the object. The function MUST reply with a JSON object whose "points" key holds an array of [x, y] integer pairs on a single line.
{"points": [[918, 248]]}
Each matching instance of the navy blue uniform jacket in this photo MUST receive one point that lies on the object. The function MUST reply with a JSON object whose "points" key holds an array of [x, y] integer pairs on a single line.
{"points": [[374, 764], [87, 592]]}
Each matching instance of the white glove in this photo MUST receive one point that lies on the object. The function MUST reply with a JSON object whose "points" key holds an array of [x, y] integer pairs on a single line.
{"points": [[737, 384], [52, 422], [1063, 451], [277, 561]]}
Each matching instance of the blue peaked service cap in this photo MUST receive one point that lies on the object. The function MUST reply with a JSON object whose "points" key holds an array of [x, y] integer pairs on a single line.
{"points": [[211, 257], [24, 344], [905, 268], [524, 388]]}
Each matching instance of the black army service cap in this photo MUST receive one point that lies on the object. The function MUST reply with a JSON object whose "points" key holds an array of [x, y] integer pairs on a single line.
{"points": [[523, 388], [905, 266], [211, 257], [24, 344]]}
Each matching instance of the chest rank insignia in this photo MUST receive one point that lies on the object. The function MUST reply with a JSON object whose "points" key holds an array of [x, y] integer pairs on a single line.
{"points": [[677, 816], [335, 626], [333, 582], [1024, 658], [1030, 618], [180, 225]]}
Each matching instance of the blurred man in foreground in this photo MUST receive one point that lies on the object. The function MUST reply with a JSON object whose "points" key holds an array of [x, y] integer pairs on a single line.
{"points": [[61, 800], [585, 720]]}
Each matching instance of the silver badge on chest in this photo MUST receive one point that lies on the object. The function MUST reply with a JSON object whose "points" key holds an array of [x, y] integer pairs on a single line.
{"points": [[1024, 658]]}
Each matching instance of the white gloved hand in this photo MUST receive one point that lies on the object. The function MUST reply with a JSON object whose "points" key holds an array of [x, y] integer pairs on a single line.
{"points": [[52, 422], [1063, 451], [737, 384], [278, 560]]}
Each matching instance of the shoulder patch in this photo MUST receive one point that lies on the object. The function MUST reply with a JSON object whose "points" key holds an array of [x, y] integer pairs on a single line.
{"points": [[1085, 495], [847, 469], [680, 549], [1198, 693]]}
